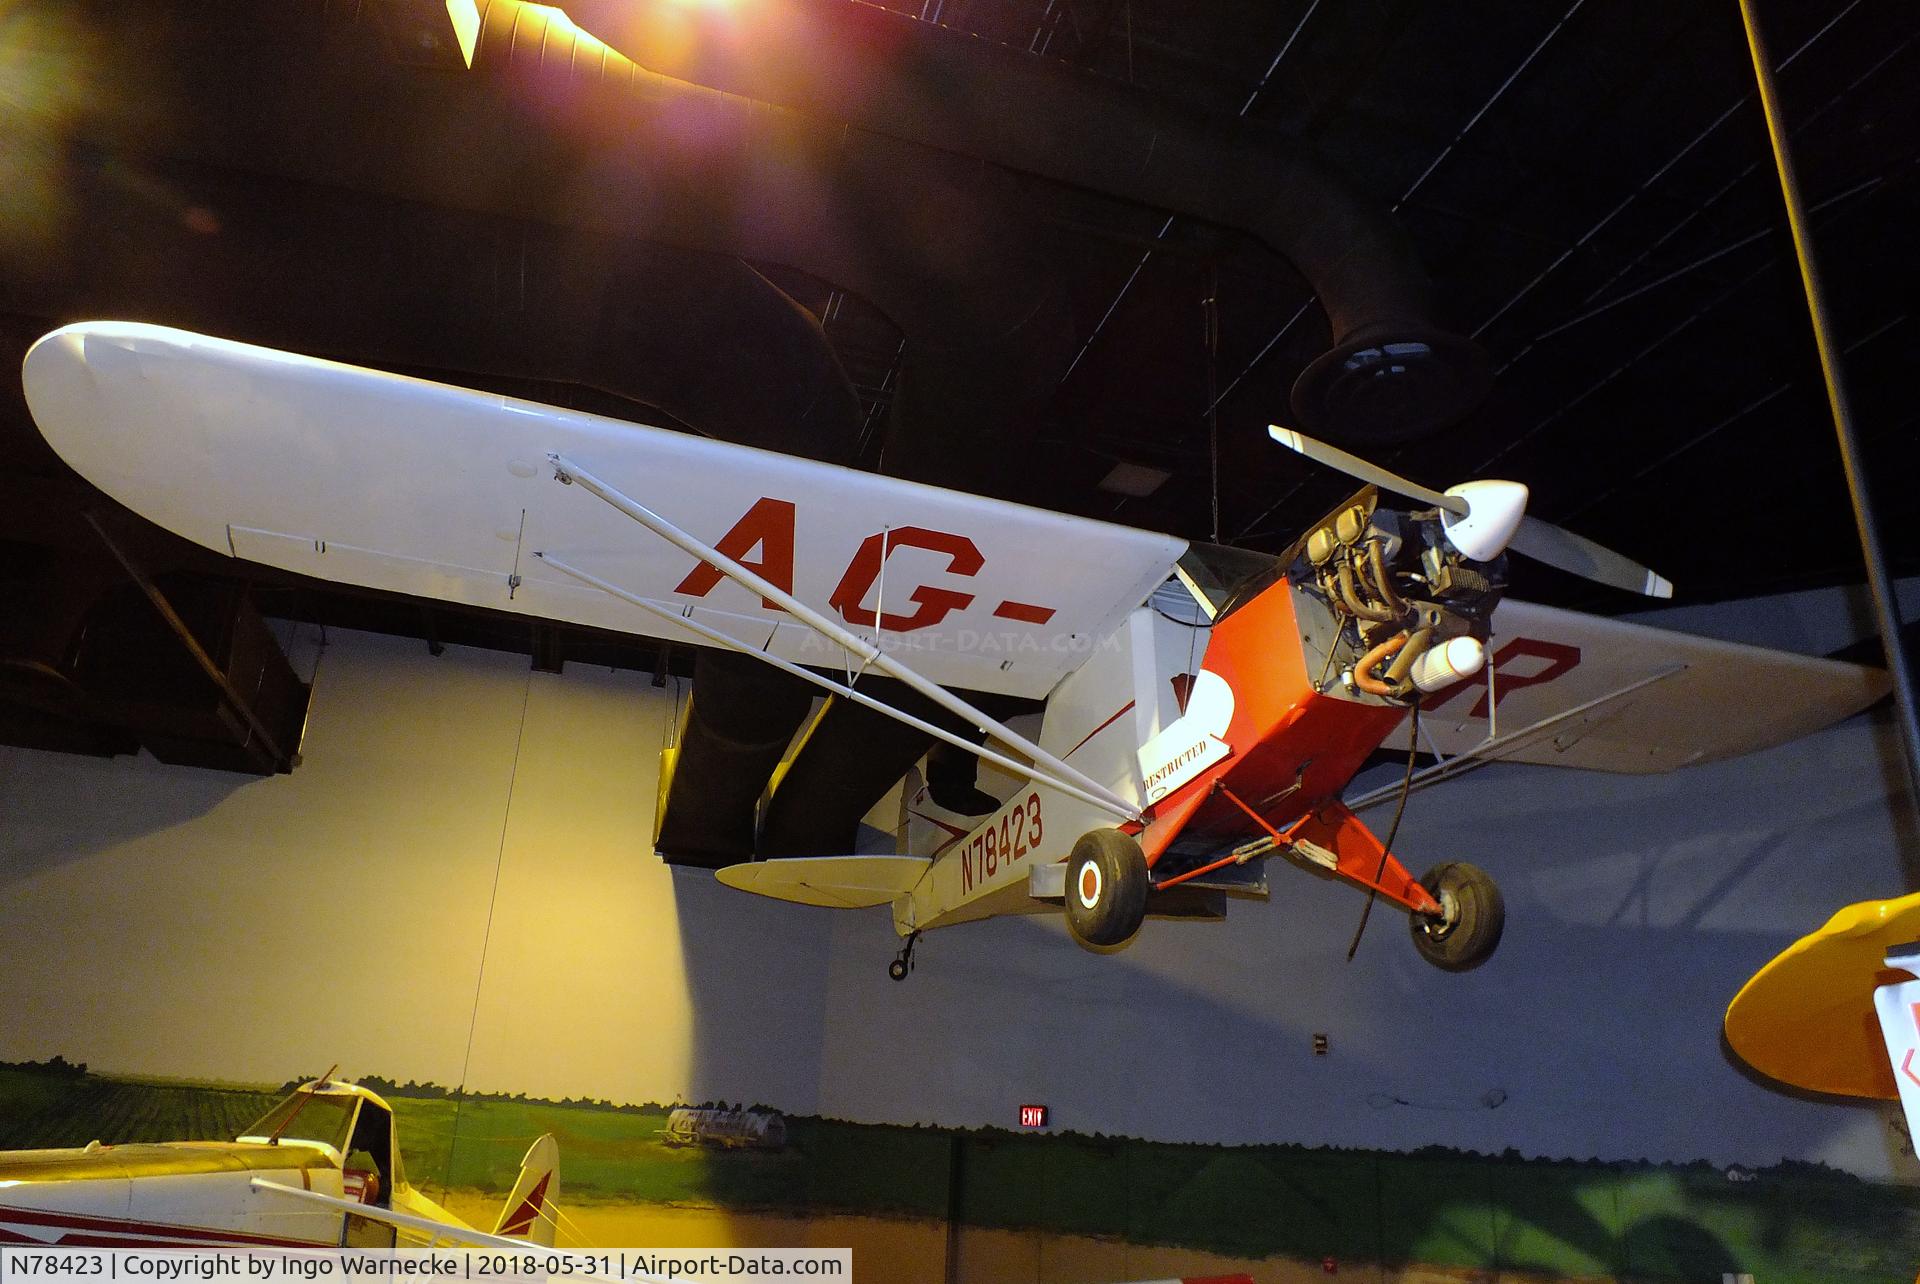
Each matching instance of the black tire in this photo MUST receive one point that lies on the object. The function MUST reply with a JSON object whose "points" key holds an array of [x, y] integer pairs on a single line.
{"points": [[1475, 916], [1106, 890], [897, 969]]}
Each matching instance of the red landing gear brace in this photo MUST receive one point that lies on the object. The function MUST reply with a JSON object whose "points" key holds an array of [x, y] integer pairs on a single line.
{"points": [[1331, 837]]}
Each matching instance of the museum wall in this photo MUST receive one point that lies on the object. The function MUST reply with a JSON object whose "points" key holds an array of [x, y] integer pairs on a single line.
{"points": [[177, 921], [1636, 908], [456, 887]]}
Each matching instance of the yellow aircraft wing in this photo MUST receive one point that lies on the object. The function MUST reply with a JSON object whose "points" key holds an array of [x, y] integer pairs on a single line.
{"points": [[1807, 1018]]}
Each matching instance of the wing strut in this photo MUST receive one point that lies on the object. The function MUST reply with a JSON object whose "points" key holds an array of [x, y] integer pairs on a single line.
{"points": [[1057, 773], [1489, 750], [840, 689]]}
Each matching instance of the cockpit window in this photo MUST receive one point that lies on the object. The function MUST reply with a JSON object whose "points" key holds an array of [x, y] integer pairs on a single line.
{"points": [[1221, 578], [307, 1116]]}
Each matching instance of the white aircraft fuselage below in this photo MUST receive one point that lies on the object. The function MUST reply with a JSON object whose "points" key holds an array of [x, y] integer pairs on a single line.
{"points": [[320, 1170]]}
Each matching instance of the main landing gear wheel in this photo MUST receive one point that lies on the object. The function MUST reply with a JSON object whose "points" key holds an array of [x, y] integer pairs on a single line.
{"points": [[1106, 890], [1472, 916], [903, 961]]}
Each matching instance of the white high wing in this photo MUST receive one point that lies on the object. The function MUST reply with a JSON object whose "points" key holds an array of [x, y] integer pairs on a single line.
{"points": [[828, 573], [397, 483]]}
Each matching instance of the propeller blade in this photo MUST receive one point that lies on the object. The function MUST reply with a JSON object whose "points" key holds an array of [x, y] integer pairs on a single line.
{"points": [[1557, 546], [1356, 467], [1542, 541]]}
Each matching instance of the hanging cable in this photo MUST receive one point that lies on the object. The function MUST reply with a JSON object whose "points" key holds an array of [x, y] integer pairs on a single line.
{"points": [[1211, 306], [486, 935], [1393, 831]]}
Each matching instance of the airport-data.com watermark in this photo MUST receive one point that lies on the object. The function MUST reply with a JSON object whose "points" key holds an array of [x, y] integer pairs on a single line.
{"points": [[1010, 644]]}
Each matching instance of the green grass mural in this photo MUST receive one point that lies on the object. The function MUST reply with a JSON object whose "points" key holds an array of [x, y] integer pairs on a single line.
{"points": [[1796, 1224]]}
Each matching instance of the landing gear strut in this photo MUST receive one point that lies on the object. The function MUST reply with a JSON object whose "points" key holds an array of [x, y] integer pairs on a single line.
{"points": [[903, 961]]}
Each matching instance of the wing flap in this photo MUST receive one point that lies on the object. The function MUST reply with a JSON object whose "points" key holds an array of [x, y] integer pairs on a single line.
{"points": [[1711, 700], [839, 882]]}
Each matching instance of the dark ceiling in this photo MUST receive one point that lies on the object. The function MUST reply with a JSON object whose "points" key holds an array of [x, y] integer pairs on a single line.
{"points": [[1591, 189], [1587, 184]]}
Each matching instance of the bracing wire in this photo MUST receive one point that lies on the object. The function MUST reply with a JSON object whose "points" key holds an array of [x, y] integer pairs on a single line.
{"points": [[1393, 831], [1211, 307], [564, 1222], [486, 935]]}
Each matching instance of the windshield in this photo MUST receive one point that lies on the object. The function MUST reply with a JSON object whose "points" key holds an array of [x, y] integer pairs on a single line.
{"points": [[1224, 578], [325, 1119]]}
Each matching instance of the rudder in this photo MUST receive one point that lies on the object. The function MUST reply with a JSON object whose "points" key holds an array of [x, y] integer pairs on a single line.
{"points": [[529, 1211]]}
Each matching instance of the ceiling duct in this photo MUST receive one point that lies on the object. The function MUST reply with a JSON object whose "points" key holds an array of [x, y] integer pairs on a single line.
{"points": [[853, 755], [90, 664], [739, 722], [546, 131], [1394, 372], [551, 127], [702, 337], [202, 681]]}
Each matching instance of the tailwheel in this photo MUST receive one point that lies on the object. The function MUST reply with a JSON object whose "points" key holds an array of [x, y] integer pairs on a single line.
{"points": [[1472, 915], [1106, 890], [903, 961]]}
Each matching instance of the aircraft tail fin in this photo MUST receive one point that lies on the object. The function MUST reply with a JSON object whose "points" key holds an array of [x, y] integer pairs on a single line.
{"points": [[928, 827], [1898, 1007], [529, 1211]]}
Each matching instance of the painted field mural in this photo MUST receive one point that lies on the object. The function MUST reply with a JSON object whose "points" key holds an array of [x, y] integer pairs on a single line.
{"points": [[987, 1204], [455, 899]]}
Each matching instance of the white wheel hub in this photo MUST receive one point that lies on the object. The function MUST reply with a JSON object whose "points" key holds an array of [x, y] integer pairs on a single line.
{"points": [[1088, 885], [1440, 928]]}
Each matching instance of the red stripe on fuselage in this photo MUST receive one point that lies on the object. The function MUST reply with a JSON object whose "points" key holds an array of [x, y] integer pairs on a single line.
{"points": [[957, 834], [11, 1216], [1097, 730]]}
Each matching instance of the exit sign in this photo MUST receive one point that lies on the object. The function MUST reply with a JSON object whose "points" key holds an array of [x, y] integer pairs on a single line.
{"points": [[1033, 1116]]}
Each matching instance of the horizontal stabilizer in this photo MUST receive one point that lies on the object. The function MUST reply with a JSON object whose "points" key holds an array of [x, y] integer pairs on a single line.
{"points": [[842, 882]]}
